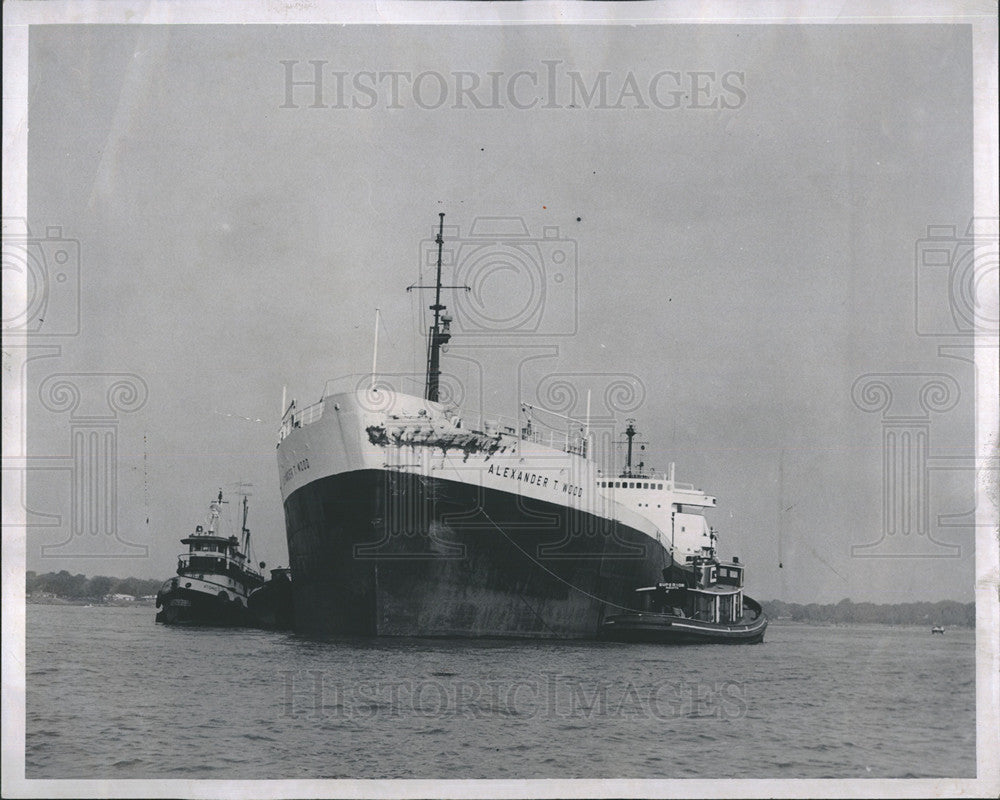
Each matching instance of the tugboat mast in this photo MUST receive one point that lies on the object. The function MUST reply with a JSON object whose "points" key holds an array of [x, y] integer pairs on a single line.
{"points": [[246, 530], [439, 334]]}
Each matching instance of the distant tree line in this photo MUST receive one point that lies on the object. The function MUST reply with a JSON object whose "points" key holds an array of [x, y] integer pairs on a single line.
{"points": [[80, 587], [944, 612]]}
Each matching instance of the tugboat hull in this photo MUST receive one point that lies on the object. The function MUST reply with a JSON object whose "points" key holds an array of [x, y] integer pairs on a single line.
{"points": [[272, 606], [182, 606], [668, 629]]}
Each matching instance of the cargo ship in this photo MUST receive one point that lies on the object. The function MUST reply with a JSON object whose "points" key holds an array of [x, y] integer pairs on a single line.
{"points": [[407, 517]]}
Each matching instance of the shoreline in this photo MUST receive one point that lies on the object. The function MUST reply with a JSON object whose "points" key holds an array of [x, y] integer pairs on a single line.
{"points": [[779, 621], [86, 601]]}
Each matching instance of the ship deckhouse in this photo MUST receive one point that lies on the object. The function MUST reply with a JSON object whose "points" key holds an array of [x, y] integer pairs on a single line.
{"points": [[675, 508]]}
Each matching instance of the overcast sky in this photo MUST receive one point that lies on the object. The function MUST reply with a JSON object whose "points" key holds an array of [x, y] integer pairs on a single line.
{"points": [[746, 262]]}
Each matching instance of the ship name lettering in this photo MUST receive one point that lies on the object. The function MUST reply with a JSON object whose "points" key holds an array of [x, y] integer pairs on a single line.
{"points": [[531, 478], [301, 466]]}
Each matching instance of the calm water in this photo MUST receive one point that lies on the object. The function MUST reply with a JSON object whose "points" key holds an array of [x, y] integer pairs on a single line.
{"points": [[112, 695]]}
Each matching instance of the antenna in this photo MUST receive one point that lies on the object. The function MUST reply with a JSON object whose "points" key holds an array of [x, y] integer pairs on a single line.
{"points": [[781, 506], [243, 489], [375, 353], [246, 530], [439, 332]]}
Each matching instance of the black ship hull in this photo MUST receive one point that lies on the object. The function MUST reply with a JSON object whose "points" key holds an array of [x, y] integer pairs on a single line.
{"points": [[384, 553], [180, 606]]}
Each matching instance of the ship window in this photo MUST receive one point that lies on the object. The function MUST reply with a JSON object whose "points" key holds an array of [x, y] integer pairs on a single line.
{"points": [[645, 486], [631, 485], [659, 486]]}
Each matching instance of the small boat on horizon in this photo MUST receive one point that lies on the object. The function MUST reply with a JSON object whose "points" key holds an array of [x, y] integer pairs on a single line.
{"points": [[938, 629]]}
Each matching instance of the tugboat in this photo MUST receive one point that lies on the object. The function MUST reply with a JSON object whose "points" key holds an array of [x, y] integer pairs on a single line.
{"points": [[214, 577], [271, 604], [705, 606], [938, 629]]}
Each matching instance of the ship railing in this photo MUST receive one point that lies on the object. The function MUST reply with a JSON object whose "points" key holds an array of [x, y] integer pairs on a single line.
{"points": [[297, 418], [565, 440], [222, 560], [516, 429], [577, 445]]}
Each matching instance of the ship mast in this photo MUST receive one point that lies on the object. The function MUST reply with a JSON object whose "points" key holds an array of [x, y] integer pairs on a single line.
{"points": [[215, 510], [630, 433], [440, 333]]}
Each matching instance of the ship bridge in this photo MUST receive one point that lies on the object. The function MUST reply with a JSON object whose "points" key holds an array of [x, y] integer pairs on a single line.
{"points": [[676, 508]]}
